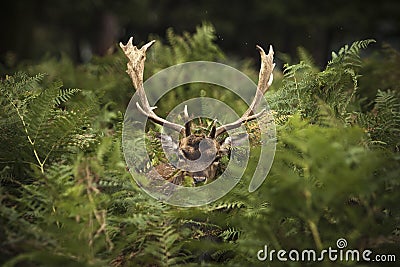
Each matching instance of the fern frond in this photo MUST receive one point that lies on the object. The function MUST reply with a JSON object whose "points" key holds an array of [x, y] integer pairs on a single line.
{"points": [[166, 248], [45, 128], [65, 94], [231, 234], [303, 86], [305, 56], [349, 56], [383, 122], [226, 205]]}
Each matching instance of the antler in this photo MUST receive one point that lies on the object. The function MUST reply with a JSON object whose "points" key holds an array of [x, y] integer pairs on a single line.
{"points": [[135, 70], [265, 79]]}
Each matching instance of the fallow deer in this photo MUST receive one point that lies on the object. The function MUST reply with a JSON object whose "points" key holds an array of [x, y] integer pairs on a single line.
{"points": [[191, 147]]}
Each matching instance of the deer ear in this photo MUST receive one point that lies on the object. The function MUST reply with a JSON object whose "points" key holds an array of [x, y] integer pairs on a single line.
{"points": [[213, 130]]}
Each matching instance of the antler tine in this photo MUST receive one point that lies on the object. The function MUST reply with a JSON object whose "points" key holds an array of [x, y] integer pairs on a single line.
{"points": [[135, 70], [185, 113], [265, 79]]}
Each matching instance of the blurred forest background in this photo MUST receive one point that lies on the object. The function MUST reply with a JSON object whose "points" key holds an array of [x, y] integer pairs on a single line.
{"points": [[82, 28], [66, 196]]}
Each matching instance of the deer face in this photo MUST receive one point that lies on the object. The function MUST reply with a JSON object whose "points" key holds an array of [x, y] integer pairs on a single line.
{"points": [[195, 147], [201, 154], [198, 155]]}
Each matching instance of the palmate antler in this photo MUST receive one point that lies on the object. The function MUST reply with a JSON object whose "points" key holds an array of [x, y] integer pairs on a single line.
{"points": [[135, 70], [265, 79]]}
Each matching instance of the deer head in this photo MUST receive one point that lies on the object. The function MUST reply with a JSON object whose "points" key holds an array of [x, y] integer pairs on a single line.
{"points": [[198, 154]]}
